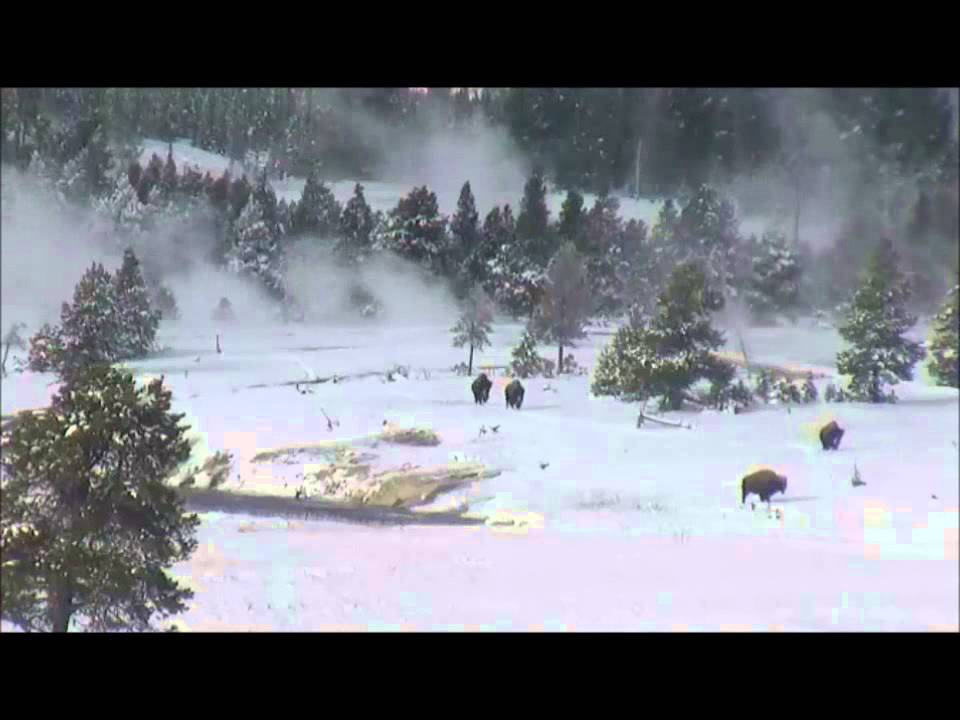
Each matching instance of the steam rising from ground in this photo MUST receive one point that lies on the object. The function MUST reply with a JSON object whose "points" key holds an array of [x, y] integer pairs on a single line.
{"points": [[410, 296], [44, 250]]}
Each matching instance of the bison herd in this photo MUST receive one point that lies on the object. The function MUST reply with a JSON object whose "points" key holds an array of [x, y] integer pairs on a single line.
{"points": [[762, 483], [481, 392]]}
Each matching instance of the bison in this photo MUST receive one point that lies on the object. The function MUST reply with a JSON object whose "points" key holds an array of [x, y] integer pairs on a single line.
{"points": [[514, 394], [764, 483], [481, 389], [830, 435]]}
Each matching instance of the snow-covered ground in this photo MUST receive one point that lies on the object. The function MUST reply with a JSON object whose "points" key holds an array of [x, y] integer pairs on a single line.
{"points": [[628, 529]]}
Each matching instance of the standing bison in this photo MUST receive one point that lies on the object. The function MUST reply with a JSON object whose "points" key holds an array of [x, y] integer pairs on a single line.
{"points": [[514, 394], [764, 483], [830, 435], [481, 389]]}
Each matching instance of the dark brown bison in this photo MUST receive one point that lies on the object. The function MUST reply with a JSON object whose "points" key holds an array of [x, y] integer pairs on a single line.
{"points": [[830, 435], [764, 483], [514, 394], [481, 389]]}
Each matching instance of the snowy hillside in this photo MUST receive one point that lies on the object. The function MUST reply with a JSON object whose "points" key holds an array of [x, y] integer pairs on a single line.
{"points": [[624, 529]]}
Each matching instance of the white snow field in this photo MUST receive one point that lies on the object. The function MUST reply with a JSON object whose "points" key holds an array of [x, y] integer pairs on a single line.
{"points": [[623, 529]]}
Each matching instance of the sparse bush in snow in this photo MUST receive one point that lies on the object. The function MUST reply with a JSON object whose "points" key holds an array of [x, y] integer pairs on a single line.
{"points": [[473, 327], [787, 392], [809, 390], [763, 388]]}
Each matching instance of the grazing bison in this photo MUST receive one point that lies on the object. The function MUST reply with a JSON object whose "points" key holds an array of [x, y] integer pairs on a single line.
{"points": [[481, 389], [514, 394], [830, 435], [764, 483]]}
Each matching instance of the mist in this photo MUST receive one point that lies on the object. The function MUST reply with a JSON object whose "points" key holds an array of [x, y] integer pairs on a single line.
{"points": [[45, 247], [443, 157]]}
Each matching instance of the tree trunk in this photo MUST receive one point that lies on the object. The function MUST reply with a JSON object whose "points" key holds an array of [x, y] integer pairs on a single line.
{"points": [[470, 362], [3, 365], [560, 362], [60, 607]]}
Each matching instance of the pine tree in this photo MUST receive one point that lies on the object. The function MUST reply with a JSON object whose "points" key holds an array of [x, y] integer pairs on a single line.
{"points": [[473, 327], [525, 362], [944, 347], [88, 527], [138, 319], [415, 230], [168, 178], [774, 283], [318, 212], [667, 355], [46, 350], [573, 218], [565, 305], [464, 232], [874, 325], [91, 327], [533, 223], [357, 224]]}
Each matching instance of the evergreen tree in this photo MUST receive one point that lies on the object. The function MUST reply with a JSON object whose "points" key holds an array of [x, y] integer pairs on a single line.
{"points": [[88, 528], [473, 327], [604, 259], [318, 212], [138, 320], [874, 325], [572, 225], [533, 224], [46, 350], [357, 224], [774, 283], [91, 326], [944, 350], [168, 178], [565, 305], [525, 362], [464, 227], [415, 230], [667, 355], [512, 278]]}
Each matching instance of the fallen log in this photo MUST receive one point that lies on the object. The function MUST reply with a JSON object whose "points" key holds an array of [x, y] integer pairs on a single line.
{"points": [[642, 418]]}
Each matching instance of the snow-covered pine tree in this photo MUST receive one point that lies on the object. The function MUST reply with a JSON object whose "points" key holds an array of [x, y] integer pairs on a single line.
{"points": [[604, 257], [473, 327], [253, 247], [416, 231], [514, 281], [665, 356], [774, 283], [875, 323], [534, 234], [563, 310], [944, 363], [525, 362], [318, 212], [95, 552], [91, 327], [138, 319], [573, 221], [357, 224], [481, 260], [46, 350], [707, 232], [464, 236], [168, 178]]}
